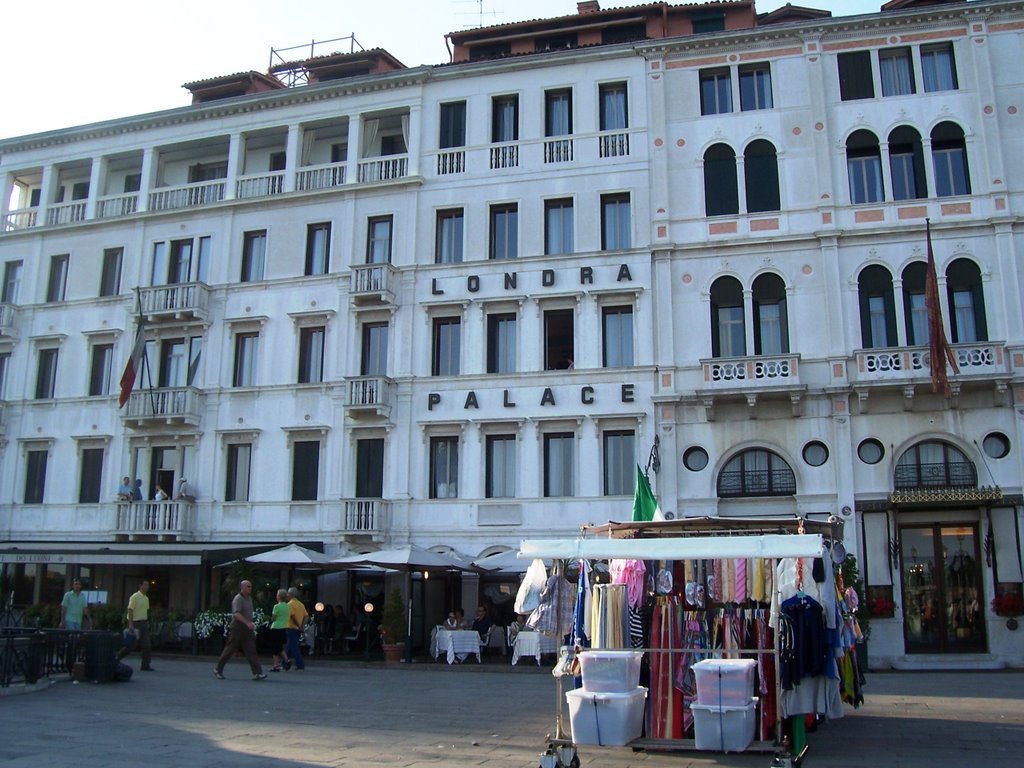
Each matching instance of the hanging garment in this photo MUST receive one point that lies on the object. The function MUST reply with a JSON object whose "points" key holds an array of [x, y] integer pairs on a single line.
{"points": [[631, 573], [553, 617]]}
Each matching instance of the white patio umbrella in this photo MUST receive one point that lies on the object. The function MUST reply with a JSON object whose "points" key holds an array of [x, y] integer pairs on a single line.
{"points": [[504, 562], [291, 554], [407, 559]]}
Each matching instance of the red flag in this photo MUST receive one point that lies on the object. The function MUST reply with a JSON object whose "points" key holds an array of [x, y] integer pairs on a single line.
{"points": [[131, 370], [939, 349]]}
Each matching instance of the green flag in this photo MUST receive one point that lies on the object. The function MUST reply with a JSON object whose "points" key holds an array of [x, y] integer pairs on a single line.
{"points": [[645, 506]]}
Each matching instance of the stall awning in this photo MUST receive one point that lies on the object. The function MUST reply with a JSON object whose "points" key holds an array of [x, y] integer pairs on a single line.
{"points": [[676, 548], [123, 553]]}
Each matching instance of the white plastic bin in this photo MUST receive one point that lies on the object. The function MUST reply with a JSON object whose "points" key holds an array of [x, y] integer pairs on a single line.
{"points": [[610, 671], [724, 729], [606, 719], [724, 682]]}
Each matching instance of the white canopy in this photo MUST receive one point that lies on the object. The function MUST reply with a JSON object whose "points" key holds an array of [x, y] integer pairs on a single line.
{"points": [[292, 554], [688, 548]]}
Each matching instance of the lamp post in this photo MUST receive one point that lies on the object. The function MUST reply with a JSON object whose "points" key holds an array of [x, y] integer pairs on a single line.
{"points": [[318, 627], [368, 610]]}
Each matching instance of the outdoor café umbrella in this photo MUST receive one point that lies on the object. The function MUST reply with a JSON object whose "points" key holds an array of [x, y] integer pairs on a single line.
{"points": [[504, 562], [407, 559], [292, 554]]}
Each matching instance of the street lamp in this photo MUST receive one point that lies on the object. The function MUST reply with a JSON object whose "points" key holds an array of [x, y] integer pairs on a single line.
{"points": [[368, 610]]}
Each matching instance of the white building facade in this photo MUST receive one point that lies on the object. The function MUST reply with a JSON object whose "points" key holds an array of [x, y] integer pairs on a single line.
{"points": [[456, 305]]}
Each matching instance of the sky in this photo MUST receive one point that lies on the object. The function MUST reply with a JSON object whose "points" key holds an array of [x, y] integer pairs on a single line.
{"points": [[70, 62]]}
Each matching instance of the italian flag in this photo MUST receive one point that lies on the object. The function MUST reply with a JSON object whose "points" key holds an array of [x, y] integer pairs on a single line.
{"points": [[645, 506], [131, 370]]}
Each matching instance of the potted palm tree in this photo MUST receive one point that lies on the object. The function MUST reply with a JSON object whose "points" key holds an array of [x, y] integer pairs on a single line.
{"points": [[393, 627]]}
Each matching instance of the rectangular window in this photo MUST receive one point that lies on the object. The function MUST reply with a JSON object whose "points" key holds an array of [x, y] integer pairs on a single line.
{"points": [[615, 222], [110, 276], [5, 361], [619, 463], [35, 476], [180, 265], [558, 227], [504, 231], [207, 172], [614, 109], [254, 255], [246, 349], [617, 337], [99, 370], [56, 286], [378, 239], [236, 481], [277, 161], [950, 163], [448, 237], [963, 314], [505, 118], [446, 346], [769, 326], [172, 363], [904, 174], [453, 125], [938, 68], [558, 112], [501, 343], [305, 470], [715, 91], [339, 153], [175, 264], [318, 249], [755, 86], [731, 335], [855, 76], [375, 350], [878, 322], [90, 479], [132, 183], [80, 190], [559, 354], [444, 467], [897, 72], [865, 178], [46, 374], [501, 467], [12, 282], [918, 319], [370, 468], [311, 355], [558, 464]]}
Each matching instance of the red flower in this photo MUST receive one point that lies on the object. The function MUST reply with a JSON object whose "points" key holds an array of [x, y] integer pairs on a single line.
{"points": [[1008, 604]]}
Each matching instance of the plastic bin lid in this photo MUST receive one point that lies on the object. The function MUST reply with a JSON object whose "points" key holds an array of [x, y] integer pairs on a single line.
{"points": [[579, 693], [723, 707], [610, 653], [726, 663]]}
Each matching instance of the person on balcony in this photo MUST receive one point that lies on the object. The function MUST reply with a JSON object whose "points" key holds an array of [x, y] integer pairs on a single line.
{"points": [[160, 494], [124, 490], [137, 491], [185, 491]]}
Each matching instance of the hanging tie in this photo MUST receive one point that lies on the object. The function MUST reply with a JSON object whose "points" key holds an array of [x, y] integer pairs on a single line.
{"points": [[741, 581]]}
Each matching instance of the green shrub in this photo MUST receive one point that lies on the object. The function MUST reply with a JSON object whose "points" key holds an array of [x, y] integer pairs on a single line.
{"points": [[393, 620]]}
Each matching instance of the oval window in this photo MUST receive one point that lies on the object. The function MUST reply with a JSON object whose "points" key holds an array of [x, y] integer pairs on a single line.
{"points": [[996, 445], [870, 451], [695, 459], [815, 453]]}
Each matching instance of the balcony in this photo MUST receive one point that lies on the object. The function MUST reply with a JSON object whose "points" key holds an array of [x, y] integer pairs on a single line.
{"points": [[505, 156], [8, 316], [751, 378], [558, 150], [117, 205], [180, 301], [383, 168], [907, 367], [371, 285], [368, 397], [259, 185], [320, 177], [165, 520], [451, 161], [613, 144], [364, 518], [65, 213], [21, 218], [186, 196], [164, 406]]}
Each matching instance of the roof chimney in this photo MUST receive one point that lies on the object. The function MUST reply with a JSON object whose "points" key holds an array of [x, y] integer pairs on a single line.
{"points": [[588, 6]]}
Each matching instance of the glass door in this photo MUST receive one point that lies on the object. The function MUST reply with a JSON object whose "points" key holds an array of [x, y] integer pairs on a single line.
{"points": [[942, 589]]}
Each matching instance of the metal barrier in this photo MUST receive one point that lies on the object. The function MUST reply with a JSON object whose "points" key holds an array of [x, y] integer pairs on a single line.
{"points": [[29, 655]]}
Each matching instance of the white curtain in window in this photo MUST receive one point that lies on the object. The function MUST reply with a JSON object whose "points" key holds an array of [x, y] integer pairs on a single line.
{"points": [[405, 131], [1004, 534], [876, 549], [370, 130]]}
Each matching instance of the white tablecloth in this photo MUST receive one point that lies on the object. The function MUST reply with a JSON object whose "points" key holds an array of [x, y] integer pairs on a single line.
{"points": [[532, 644], [455, 643]]}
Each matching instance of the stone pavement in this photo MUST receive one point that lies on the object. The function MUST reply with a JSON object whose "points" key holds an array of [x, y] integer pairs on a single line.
{"points": [[427, 714]]}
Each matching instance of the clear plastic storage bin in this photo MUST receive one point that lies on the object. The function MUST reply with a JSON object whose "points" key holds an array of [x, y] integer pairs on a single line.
{"points": [[610, 671], [724, 729], [606, 719], [725, 682]]}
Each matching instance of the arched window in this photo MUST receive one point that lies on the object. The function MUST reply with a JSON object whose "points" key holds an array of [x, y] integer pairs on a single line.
{"points": [[906, 161], [877, 308], [864, 166], [934, 463], [915, 314], [721, 193], [771, 325], [949, 158], [728, 334], [966, 302], [756, 472], [761, 176]]}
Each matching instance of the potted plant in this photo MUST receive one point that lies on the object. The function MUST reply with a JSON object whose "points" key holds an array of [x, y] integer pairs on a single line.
{"points": [[1008, 605], [393, 627]]}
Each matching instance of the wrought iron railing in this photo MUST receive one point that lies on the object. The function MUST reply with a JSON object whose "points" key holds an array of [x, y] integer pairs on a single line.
{"points": [[757, 482], [942, 474]]}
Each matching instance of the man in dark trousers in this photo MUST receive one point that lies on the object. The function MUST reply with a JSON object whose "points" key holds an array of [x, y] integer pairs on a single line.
{"points": [[138, 626], [242, 635]]}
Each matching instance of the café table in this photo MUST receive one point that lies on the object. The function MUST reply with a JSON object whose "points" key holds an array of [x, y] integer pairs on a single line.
{"points": [[455, 643], [532, 644]]}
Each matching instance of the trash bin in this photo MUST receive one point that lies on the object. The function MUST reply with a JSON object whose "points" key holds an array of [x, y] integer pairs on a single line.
{"points": [[101, 655]]}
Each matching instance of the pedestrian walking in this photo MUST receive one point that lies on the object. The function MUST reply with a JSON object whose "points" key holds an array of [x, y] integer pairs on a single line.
{"points": [[73, 607], [138, 625], [297, 615], [241, 635], [278, 632]]}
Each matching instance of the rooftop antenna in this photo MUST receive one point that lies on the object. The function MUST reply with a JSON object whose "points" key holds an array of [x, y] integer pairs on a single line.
{"points": [[479, 13], [292, 73]]}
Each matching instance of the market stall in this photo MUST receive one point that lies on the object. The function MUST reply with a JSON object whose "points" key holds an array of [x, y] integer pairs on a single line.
{"points": [[694, 591]]}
